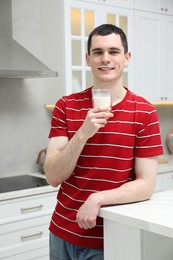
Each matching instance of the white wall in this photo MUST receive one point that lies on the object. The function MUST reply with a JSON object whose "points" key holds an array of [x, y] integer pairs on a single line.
{"points": [[24, 122]]}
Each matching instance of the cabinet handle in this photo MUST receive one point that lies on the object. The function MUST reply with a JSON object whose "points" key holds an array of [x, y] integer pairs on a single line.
{"points": [[166, 9], [162, 9], [39, 234], [39, 207]]}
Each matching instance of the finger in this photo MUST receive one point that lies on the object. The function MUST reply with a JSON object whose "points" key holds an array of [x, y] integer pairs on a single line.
{"points": [[100, 109]]}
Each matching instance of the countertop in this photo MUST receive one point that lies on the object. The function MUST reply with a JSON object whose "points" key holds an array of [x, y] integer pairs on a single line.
{"points": [[28, 192], [154, 215]]}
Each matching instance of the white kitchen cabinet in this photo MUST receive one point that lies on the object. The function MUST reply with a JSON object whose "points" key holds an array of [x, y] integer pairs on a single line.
{"points": [[156, 247], [153, 56], [24, 224], [155, 6], [83, 17], [164, 181], [117, 3], [167, 181]]}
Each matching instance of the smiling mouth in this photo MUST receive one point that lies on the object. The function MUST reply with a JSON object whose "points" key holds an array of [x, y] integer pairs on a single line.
{"points": [[105, 68]]}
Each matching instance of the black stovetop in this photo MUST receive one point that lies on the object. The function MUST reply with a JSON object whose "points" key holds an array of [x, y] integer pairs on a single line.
{"points": [[21, 182]]}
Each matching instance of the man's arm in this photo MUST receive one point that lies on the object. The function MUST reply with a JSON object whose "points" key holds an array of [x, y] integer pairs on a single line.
{"points": [[61, 158], [138, 190], [62, 154]]}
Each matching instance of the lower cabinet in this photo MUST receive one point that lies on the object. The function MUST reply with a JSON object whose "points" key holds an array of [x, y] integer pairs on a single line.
{"points": [[156, 247], [164, 181], [25, 234]]}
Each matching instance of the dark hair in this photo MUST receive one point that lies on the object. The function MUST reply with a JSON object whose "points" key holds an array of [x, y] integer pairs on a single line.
{"points": [[106, 29]]}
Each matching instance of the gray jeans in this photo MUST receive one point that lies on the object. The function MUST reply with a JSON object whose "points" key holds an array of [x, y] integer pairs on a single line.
{"points": [[63, 250]]}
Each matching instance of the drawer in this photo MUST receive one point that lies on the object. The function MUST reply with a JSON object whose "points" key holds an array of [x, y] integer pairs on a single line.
{"points": [[39, 254], [24, 232], [22, 208]]}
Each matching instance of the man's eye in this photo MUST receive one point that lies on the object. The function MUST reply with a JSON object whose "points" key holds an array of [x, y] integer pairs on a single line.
{"points": [[114, 52], [97, 53]]}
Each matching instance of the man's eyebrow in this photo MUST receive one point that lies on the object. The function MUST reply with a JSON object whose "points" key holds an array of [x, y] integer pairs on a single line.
{"points": [[96, 49], [110, 49]]}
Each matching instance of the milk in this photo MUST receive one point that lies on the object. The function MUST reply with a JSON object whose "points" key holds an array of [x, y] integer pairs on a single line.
{"points": [[101, 97], [102, 101]]}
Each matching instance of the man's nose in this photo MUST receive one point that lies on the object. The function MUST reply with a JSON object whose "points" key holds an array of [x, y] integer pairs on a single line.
{"points": [[105, 57]]}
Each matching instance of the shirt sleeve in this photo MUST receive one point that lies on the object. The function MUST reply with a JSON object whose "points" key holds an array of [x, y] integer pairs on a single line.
{"points": [[148, 139], [58, 122]]}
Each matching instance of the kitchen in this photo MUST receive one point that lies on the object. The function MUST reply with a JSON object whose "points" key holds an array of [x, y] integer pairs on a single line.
{"points": [[24, 120]]}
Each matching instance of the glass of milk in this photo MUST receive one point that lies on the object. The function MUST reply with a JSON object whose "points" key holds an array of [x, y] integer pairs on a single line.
{"points": [[101, 97]]}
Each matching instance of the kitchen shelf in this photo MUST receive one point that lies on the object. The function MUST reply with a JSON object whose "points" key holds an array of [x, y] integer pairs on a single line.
{"points": [[162, 103], [50, 107]]}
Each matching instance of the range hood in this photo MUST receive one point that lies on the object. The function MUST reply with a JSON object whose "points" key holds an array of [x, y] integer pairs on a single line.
{"points": [[15, 60]]}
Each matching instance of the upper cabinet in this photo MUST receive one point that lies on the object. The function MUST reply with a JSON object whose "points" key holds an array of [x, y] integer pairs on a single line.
{"points": [[155, 6], [117, 3], [153, 56], [83, 18], [150, 38]]}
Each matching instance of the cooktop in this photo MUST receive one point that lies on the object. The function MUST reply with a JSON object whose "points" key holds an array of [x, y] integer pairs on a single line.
{"points": [[21, 182]]}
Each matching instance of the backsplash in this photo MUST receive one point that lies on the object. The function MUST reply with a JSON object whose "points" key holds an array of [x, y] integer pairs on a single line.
{"points": [[24, 122]]}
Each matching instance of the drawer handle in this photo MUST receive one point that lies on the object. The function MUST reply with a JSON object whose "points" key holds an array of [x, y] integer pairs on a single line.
{"points": [[24, 210], [24, 238]]}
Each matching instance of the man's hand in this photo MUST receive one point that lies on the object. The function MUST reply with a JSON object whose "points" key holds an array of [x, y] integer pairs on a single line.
{"points": [[95, 119], [88, 212]]}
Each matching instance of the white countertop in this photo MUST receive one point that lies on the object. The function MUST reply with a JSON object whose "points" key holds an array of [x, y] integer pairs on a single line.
{"points": [[154, 215], [28, 192]]}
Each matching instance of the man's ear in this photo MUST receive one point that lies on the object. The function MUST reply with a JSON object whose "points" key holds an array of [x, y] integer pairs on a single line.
{"points": [[87, 57], [128, 58]]}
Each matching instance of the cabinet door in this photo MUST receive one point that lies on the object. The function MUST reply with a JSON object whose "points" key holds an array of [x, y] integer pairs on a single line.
{"points": [[120, 3], [147, 55], [39, 254], [166, 58], [156, 247], [166, 7], [153, 56], [24, 236], [168, 181], [159, 183], [117, 3], [155, 6], [147, 5], [84, 17]]}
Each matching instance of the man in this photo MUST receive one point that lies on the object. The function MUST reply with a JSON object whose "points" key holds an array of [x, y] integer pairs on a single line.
{"points": [[100, 156]]}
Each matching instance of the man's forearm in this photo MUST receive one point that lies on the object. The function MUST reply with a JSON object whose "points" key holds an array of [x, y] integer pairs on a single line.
{"points": [[60, 165]]}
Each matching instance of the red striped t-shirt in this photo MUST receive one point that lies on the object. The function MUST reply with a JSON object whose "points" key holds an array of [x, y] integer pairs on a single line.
{"points": [[107, 159]]}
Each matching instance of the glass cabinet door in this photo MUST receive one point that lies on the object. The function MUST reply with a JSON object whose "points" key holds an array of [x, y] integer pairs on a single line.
{"points": [[122, 22], [82, 23]]}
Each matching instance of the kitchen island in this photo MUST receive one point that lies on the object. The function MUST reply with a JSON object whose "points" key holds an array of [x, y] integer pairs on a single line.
{"points": [[140, 231]]}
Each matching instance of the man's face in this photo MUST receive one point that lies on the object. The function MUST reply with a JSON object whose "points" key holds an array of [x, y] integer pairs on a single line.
{"points": [[107, 58]]}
